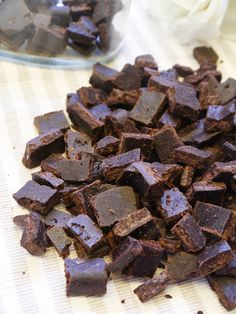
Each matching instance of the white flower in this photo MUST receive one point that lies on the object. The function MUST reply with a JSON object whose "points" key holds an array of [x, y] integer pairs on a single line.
{"points": [[191, 20]]}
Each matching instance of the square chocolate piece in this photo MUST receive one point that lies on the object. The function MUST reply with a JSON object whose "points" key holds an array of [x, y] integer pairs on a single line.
{"points": [[60, 240], [49, 179], [50, 164], [76, 143], [51, 121]]}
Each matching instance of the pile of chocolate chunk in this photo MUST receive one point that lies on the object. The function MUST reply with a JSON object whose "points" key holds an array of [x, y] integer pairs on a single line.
{"points": [[42, 27], [148, 177]]}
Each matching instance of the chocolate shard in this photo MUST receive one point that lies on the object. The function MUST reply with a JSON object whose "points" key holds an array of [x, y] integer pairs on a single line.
{"points": [[120, 98], [214, 257], [145, 61], [169, 119], [60, 240], [209, 93], [152, 287], [220, 171], [113, 167], [91, 96], [148, 107], [213, 219], [85, 277], [85, 50], [146, 265], [88, 24], [205, 55], [76, 143], [192, 156], [182, 70], [79, 35], [55, 120], [129, 78], [229, 270], [131, 222], [169, 172], [49, 179], [34, 196], [229, 150], [124, 254], [207, 191], [43, 146], [170, 245], [227, 90], [113, 205], [189, 233], [102, 77], [183, 102], [107, 34], [165, 141], [173, 205], [56, 218], [187, 177], [67, 193], [50, 164], [108, 145], [225, 289], [34, 235], [161, 84]]}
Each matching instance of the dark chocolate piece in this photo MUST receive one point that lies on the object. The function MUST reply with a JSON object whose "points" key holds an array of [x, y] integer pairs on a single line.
{"points": [[172, 205], [76, 143], [79, 35], [77, 11], [187, 177], [85, 277], [113, 205], [56, 218], [161, 84], [60, 240], [121, 98], [91, 96], [220, 171], [50, 164], [124, 254], [209, 93], [88, 25], [189, 233], [169, 119], [146, 61], [213, 219], [105, 9], [230, 150], [169, 172], [183, 71], [43, 146], [169, 74], [227, 90], [106, 31], [85, 50], [229, 270], [129, 78], [49, 179], [214, 257], [102, 77], [148, 107], [149, 231], [67, 193], [100, 111], [170, 245], [205, 55], [20, 220], [34, 196], [108, 145], [50, 121], [60, 15]]}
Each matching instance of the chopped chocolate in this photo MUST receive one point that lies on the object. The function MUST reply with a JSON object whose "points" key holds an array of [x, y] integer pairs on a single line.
{"points": [[106, 31], [88, 25], [172, 205], [124, 254], [221, 171], [91, 96], [161, 84], [43, 146], [50, 121], [113, 167], [227, 91], [213, 219], [102, 77], [34, 196], [77, 11], [49, 179], [131, 222], [56, 218], [76, 143], [148, 107], [207, 191], [50, 164], [85, 277], [225, 288], [192, 156], [100, 111], [165, 141], [67, 193], [20, 220], [170, 245], [214, 257], [208, 93], [105, 9], [189, 233], [169, 172], [205, 55], [230, 150], [229, 270], [79, 35], [121, 98], [152, 287], [146, 61], [113, 205], [183, 71], [85, 50], [149, 231], [187, 177], [169, 74], [108, 145], [60, 15], [169, 119], [129, 78], [60, 240]]}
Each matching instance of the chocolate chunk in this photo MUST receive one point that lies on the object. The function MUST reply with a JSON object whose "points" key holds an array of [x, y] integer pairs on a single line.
{"points": [[225, 288], [209, 93], [146, 265], [51, 121], [183, 102], [91, 96], [76, 143], [102, 77], [147, 74], [60, 15], [169, 119], [56, 218], [49, 179], [213, 219], [165, 141], [152, 287], [169, 172], [86, 233], [82, 117], [221, 171], [79, 35], [124, 254], [34, 196], [76, 11], [67, 193], [131, 222], [126, 99], [34, 235], [187, 177], [214, 257], [50, 164], [85, 277], [229, 270], [169, 74], [113, 205], [182, 266], [192, 156], [88, 24], [85, 50], [20, 220], [105, 9], [230, 150], [161, 84], [148, 107], [144, 179], [220, 118], [206, 191], [205, 55], [60, 240], [129, 78], [149, 231], [172, 205], [227, 90], [106, 32], [100, 111], [113, 167], [195, 134], [43, 146], [189, 233], [170, 245], [146, 61], [130, 141], [108, 145], [183, 71]]}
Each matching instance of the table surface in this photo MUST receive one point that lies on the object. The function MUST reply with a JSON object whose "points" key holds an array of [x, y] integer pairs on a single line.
{"points": [[37, 285]]}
